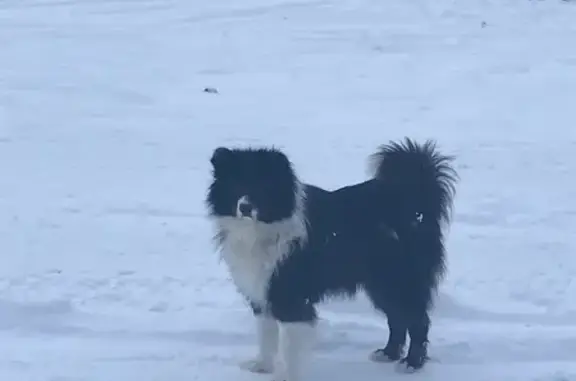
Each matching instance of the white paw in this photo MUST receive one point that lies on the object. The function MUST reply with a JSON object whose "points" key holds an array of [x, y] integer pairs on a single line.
{"points": [[402, 368], [257, 366], [380, 356]]}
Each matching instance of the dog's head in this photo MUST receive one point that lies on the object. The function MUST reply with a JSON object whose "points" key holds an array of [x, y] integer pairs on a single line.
{"points": [[252, 184]]}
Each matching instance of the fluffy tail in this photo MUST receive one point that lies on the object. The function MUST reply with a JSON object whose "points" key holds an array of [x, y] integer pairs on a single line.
{"points": [[420, 179], [418, 183]]}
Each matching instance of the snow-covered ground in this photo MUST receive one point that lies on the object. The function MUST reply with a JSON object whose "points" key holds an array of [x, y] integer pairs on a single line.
{"points": [[107, 272]]}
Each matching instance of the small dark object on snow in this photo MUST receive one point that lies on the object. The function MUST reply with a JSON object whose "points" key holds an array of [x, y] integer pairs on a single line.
{"points": [[211, 90], [484, 24]]}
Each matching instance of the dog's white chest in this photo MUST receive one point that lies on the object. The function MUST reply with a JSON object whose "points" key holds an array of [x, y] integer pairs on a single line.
{"points": [[251, 263]]}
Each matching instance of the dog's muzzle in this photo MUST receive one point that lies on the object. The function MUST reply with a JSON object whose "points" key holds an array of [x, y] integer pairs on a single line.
{"points": [[245, 208]]}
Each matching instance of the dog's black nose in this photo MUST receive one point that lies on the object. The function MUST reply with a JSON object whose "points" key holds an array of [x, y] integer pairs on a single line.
{"points": [[245, 209]]}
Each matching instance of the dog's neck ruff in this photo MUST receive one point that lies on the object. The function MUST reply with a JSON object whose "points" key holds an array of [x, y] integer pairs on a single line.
{"points": [[252, 250]]}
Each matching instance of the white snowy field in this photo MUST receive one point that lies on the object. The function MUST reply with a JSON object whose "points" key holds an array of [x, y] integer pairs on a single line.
{"points": [[107, 272]]}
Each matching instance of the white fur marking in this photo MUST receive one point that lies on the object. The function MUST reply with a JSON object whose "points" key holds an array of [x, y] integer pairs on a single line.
{"points": [[419, 217], [380, 356], [268, 334], [243, 201], [296, 345], [252, 249]]}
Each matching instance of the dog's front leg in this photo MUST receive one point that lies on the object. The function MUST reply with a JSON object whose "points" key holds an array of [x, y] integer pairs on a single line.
{"points": [[297, 319], [268, 335], [296, 341]]}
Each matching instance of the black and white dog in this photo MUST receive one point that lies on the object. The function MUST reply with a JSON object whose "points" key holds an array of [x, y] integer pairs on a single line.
{"points": [[289, 245]]}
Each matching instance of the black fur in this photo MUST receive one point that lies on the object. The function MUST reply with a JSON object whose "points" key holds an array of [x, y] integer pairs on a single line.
{"points": [[383, 236], [264, 174]]}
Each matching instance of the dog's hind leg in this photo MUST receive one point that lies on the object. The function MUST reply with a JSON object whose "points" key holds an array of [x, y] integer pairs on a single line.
{"points": [[400, 322], [394, 349], [418, 328]]}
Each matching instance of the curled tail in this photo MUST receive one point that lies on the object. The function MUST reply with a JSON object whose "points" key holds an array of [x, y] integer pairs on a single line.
{"points": [[419, 181], [418, 187]]}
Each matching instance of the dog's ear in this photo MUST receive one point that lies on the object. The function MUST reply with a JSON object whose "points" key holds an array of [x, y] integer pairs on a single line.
{"points": [[220, 155]]}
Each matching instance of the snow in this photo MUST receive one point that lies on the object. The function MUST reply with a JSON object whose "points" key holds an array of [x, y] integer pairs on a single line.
{"points": [[107, 271]]}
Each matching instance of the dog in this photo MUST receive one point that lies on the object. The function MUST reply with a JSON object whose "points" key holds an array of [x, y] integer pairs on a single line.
{"points": [[289, 245]]}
